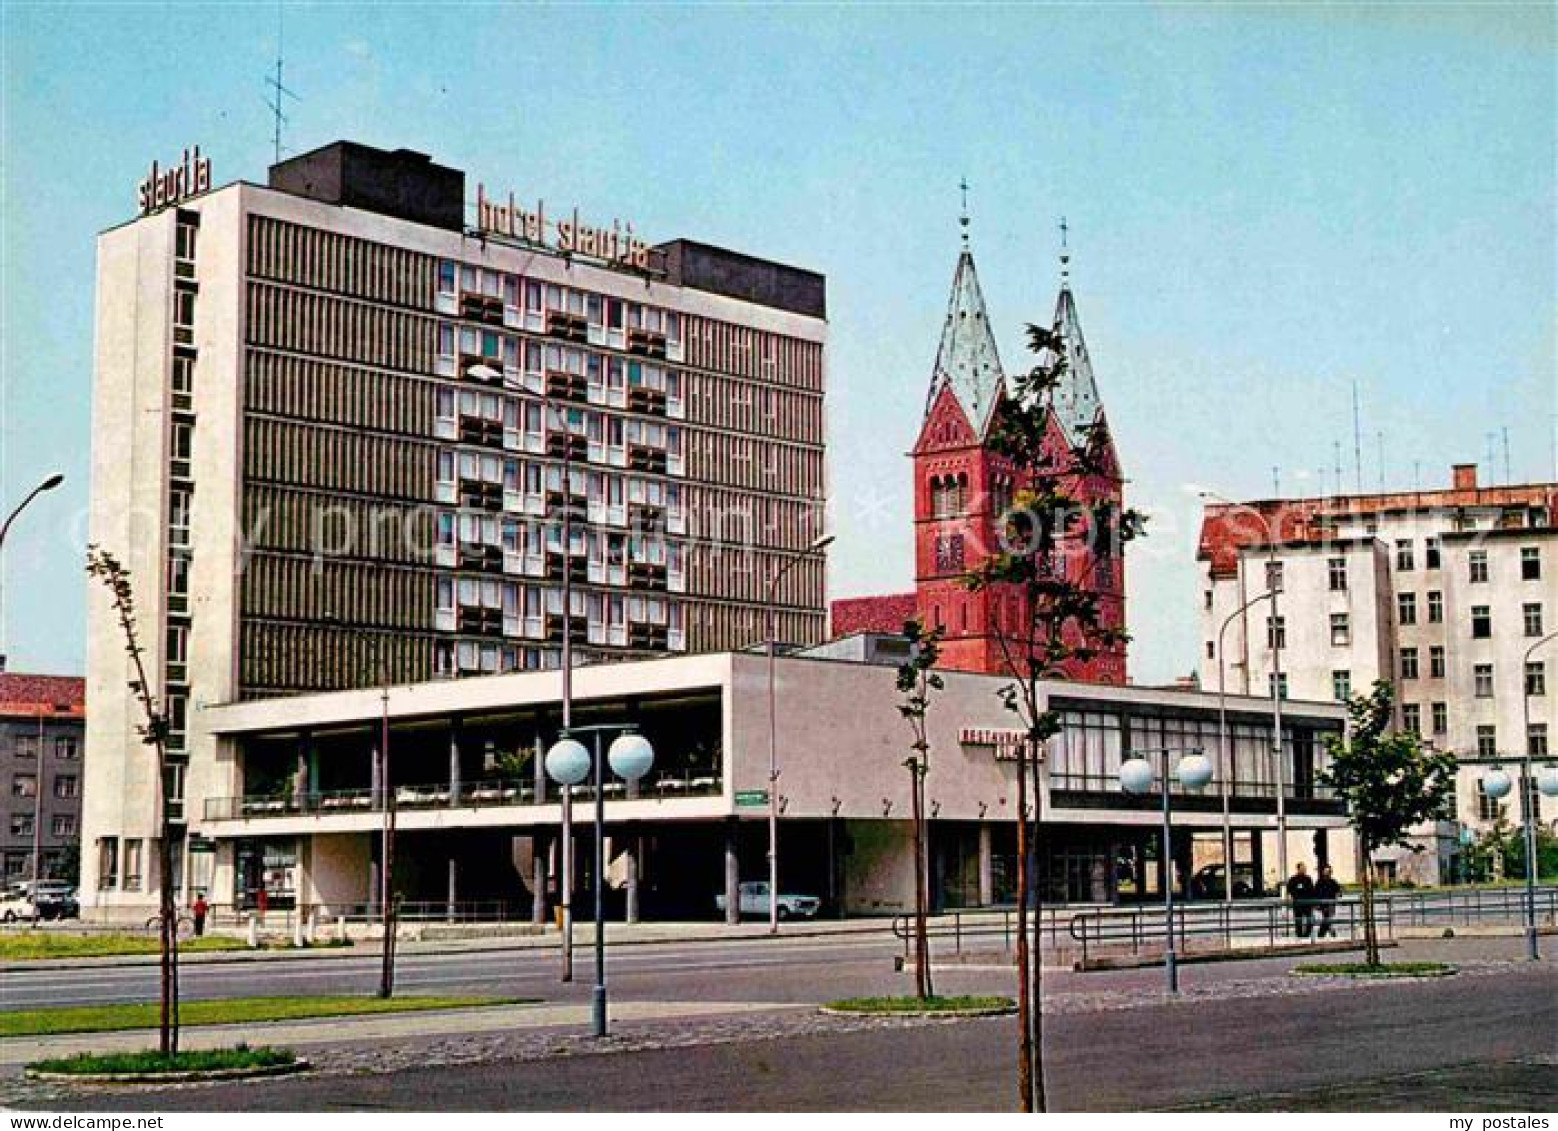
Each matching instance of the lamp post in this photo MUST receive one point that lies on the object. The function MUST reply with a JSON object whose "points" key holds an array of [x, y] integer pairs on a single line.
{"points": [[1225, 746], [565, 833], [1193, 770], [48, 484], [568, 763], [1274, 587], [1496, 784], [816, 547]]}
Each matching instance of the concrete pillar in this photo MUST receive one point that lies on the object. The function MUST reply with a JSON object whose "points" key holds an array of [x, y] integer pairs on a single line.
{"points": [[539, 848], [374, 782], [454, 889], [300, 784], [732, 871], [374, 885], [539, 765], [631, 884], [454, 766], [986, 866]]}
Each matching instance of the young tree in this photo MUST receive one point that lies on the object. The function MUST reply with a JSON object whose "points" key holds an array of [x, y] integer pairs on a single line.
{"points": [[1051, 542], [154, 733], [917, 680], [1390, 784]]}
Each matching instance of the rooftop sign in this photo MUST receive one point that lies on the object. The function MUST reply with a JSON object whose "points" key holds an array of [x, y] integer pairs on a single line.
{"points": [[164, 188], [567, 233]]}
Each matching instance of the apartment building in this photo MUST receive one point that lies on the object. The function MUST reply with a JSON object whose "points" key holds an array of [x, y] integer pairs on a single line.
{"points": [[1449, 594], [351, 431], [42, 720]]}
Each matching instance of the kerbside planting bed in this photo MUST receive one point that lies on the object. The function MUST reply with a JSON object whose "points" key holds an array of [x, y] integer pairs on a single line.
{"points": [[918, 1007]]}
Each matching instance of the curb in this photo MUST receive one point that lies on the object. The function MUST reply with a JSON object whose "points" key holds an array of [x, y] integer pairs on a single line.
{"points": [[1381, 976], [133, 1078], [982, 1011], [1135, 962]]}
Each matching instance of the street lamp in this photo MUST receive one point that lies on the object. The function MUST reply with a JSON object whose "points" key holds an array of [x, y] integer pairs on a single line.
{"points": [[794, 559], [1193, 771], [1274, 586], [1225, 746], [568, 763], [48, 484], [489, 374], [1496, 784]]}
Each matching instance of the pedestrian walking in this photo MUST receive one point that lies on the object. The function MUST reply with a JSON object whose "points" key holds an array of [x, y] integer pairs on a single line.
{"points": [[200, 909], [1301, 891], [1327, 891]]}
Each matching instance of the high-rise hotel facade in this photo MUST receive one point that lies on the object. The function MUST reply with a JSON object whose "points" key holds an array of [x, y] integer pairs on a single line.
{"points": [[349, 431]]}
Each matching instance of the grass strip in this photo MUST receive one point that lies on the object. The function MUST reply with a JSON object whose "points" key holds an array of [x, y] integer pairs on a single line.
{"points": [[918, 1005], [228, 1011], [1383, 970], [30, 946], [151, 1062]]}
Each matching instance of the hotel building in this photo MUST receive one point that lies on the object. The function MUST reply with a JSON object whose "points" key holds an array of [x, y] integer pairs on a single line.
{"points": [[349, 431]]}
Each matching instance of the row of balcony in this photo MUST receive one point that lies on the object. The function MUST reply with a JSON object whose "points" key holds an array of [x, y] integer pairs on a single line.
{"points": [[481, 794]]}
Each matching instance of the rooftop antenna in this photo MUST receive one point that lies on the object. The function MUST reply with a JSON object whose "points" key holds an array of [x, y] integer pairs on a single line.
{"points": [[1338, 454], [1417, 475], [1357, 440], [1509, 476], [1492, 436], [1380, 436], [277, 100], [1276, 482]]}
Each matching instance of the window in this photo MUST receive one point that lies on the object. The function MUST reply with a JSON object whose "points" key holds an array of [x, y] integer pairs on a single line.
{"points": [[1274, 576], [1440, 713], [1536, 677], [184, 240], [1487, 740], [1276, 632], [1530, 563], [1436, 662], [108, 862], [1536, 740], [183, 373], [1211, 650], [1404, 554], [1481, 622], [1487, 808], [63, 825], [1336, 569], [184, 308], [1409, 663], [1206, 596], [21, 824], [1412, 718], [67, 749], [1277, 687], [1431, 553], [24, 785], [1482, 681], [65, 785], [1435, 607], [26, 746], [1341, 633], [1477, 562], [1406, 608], [1341, 685], [1531, 616], [132, 864]]}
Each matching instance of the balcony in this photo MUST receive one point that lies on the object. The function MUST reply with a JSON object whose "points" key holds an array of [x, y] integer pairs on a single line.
{"points": [[578, 627], [478, 620], [565, 445], [480, 556], [647, 575], [646, 343], [482, 308], [651, 460], [641, 398], [480, 363], [567, 386], [478, 494], [648, 636], [568, 327], [477, 430], [479, 794]]}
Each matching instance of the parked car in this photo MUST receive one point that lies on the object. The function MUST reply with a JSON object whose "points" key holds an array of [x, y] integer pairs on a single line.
{"points": [[55, 899], [754, 901], [16, 905], [1208, 882]]}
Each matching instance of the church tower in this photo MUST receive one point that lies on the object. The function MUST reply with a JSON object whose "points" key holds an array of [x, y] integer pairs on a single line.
{"points": [[962, 486]]}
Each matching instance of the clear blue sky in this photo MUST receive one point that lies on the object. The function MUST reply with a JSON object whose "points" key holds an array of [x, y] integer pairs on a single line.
{"points": [[1266, 203]]}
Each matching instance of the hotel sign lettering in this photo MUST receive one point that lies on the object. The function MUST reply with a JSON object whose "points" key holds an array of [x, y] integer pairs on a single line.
{"points": [[1002, 744], [567, 233], [163, 188]]}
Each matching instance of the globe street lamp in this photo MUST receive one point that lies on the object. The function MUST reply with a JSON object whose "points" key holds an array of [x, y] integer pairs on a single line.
{"points": [[1193, 771], [1496, 784], [568, 763], [1224, 746]]}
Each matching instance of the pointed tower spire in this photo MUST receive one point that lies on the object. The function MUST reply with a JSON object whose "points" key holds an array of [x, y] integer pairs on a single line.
{"points": [[967, 360], [1076, 398]]}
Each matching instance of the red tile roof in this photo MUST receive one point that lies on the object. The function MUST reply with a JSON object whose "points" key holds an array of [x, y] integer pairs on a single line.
{"points": [[886, 613], [63, 696]]}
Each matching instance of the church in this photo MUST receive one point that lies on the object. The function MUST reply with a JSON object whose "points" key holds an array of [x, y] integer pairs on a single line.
{"points": [[963, 487]]}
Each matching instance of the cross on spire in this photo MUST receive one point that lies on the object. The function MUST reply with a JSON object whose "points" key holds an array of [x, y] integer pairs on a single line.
{"points": [[1065, 252], [963, 216]]}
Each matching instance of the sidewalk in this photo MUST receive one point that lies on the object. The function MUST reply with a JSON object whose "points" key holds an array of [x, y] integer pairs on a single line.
{"points": [[17, 1051]]}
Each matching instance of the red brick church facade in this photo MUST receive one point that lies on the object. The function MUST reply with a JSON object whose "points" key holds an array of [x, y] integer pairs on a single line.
{"points": [[962, 487]]}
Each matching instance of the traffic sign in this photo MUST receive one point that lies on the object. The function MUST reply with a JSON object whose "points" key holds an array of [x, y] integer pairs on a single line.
{"points": [[751, 797]]}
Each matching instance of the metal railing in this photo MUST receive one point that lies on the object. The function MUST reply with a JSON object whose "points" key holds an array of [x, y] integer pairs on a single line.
{"points": [[441, 795], [980, 927]]}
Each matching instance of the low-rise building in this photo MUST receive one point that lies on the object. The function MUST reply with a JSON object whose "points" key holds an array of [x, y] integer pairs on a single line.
{"points": [[42, 725]]}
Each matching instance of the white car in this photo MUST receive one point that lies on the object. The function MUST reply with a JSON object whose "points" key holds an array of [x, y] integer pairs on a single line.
{"points": [[754, 901], [15, 906]]}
